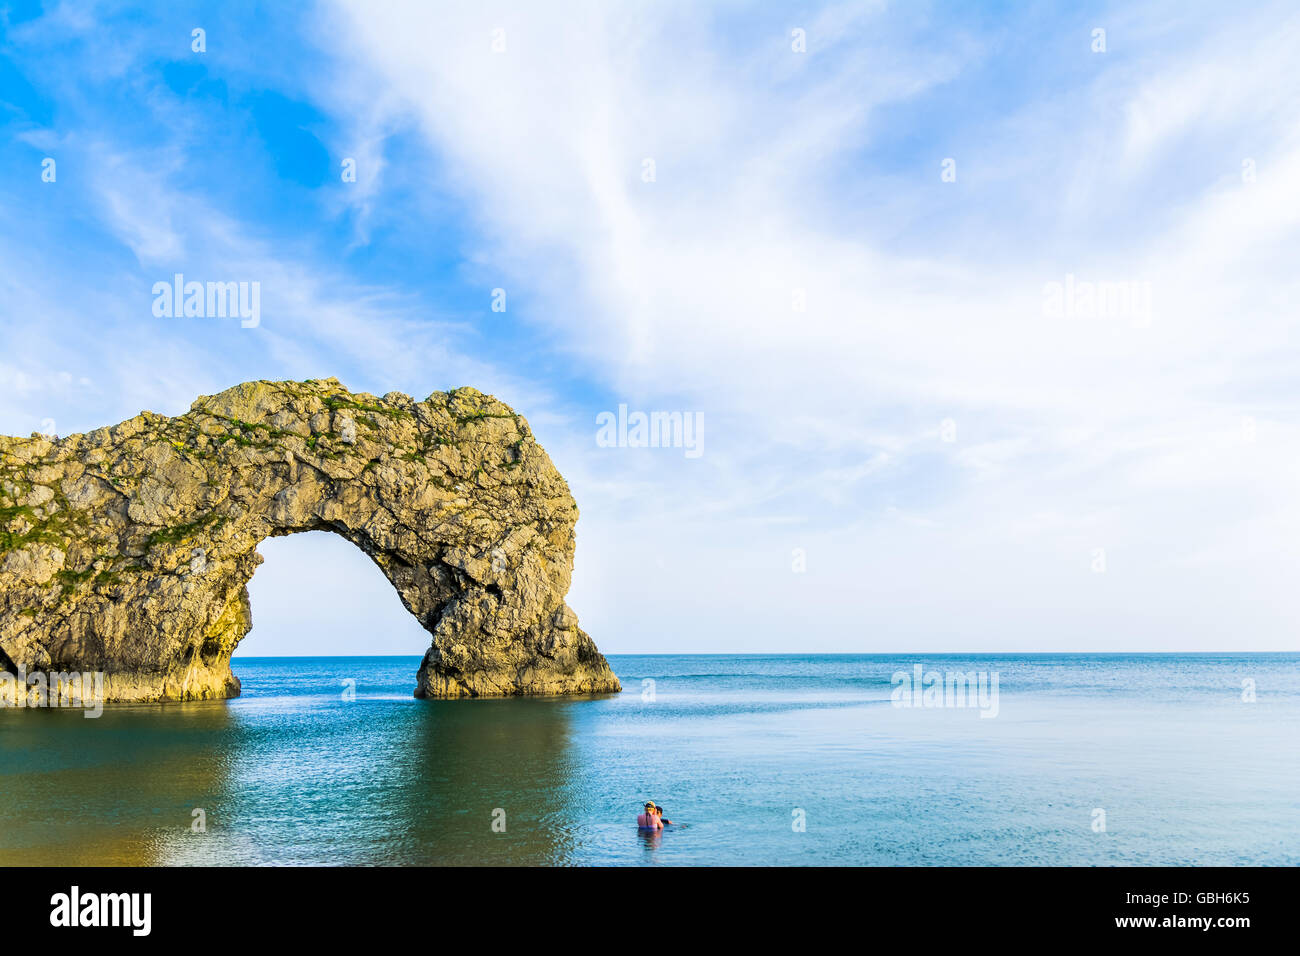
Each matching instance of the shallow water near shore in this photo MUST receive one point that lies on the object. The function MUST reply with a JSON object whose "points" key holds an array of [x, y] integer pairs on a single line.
{"points": [[778, 760]]}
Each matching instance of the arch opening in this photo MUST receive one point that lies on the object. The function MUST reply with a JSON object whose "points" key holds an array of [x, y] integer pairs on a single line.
{"points": [[318, 595]]}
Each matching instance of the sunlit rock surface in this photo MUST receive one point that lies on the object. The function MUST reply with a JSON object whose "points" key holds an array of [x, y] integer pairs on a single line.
{"points": [[128, 550]]}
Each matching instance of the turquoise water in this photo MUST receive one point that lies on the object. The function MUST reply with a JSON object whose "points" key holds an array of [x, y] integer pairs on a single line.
{"points": [[739, 748]]}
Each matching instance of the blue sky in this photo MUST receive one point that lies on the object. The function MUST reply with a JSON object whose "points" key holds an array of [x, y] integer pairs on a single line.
{"points": [[950, 462]]}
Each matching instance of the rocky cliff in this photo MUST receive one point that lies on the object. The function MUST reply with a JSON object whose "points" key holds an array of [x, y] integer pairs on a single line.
{"points": [[128, 549]]}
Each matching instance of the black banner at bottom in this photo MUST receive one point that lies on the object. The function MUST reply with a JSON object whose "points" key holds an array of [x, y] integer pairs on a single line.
{"points": [[325, 905]]}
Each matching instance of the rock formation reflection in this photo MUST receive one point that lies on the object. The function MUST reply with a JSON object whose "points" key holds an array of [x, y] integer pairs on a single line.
{"points": [[113, 791], [312, 776]]}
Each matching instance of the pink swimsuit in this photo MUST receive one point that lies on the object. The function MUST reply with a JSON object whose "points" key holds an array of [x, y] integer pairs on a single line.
{"points": [[648, 821]]}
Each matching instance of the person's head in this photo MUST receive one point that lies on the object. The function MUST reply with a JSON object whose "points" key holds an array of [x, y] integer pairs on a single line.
{"points": [[659, 811], [649, 807]]}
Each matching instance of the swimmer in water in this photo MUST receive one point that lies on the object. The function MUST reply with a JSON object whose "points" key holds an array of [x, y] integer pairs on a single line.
{"points": [[649, 820]]}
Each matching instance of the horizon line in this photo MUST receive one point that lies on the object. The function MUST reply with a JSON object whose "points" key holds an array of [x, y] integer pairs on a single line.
{"points": [[798, 654]]}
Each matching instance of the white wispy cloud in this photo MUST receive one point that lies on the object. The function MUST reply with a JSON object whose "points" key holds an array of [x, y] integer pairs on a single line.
{"points": [[1171, 442], [1073, 434]]}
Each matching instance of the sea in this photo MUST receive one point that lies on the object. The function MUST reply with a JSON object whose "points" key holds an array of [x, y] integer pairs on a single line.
{"points": [[771, 760]]}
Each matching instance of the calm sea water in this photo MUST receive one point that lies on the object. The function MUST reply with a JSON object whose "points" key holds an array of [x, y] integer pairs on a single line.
{"points": [[741, 749]]}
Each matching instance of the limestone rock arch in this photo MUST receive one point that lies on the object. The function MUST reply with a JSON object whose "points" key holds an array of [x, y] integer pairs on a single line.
{"points": [[128, 549]]}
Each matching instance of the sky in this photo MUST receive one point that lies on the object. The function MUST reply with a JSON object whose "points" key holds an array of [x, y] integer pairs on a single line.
{"points": [[988, 310]]}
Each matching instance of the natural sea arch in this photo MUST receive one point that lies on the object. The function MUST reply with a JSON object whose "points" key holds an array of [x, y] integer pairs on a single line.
{"points": [[127, 550]]}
